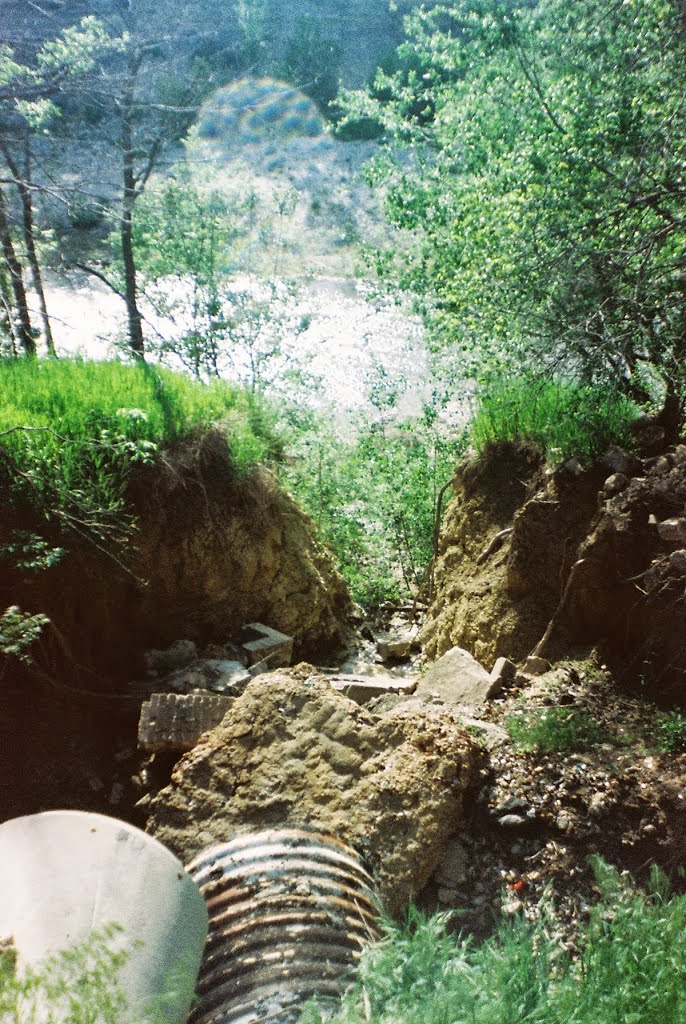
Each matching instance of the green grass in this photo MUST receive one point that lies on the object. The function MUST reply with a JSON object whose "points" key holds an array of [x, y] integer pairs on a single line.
{"points": [[70, 432], [78, 399], [562, 418], [631, 968], [555, 729]]}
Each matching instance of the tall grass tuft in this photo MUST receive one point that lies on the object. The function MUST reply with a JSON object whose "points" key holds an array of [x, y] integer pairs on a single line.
{"points": [[563, 418], [631, 968]]}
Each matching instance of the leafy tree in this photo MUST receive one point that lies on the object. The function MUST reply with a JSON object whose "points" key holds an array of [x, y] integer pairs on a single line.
{"points": [[188, 242], [28, 104], [545, 188]]}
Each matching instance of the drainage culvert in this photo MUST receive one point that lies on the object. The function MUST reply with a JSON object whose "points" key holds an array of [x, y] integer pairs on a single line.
{"points": [[290, 911]]}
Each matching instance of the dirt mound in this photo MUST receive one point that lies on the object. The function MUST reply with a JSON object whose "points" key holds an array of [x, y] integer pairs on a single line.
{"points": [[598, 550], [292, 750]]}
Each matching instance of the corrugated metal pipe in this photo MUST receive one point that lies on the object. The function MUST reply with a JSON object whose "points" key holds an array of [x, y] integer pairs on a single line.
{"points": [[290, 911]]}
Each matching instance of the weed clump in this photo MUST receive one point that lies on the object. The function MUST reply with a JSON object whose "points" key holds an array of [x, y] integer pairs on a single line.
{"points": [[548, 730], [631, 967]]}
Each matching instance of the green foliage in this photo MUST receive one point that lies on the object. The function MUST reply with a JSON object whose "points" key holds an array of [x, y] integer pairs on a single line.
{"points": [[555, 729], [311, 61], [671, 732], [78, 985], [18, 632], [373, 495], [542, 185], [187, 242], [632, 967], [563, 418]]}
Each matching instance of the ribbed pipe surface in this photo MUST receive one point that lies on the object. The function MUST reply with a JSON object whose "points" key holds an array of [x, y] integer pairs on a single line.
{"points": [[290, 912]]}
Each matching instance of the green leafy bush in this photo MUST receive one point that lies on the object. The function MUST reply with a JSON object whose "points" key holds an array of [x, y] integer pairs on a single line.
{"points": [[631, 968], [564, 418], [373, 497], [671, 732], [551, 729]]}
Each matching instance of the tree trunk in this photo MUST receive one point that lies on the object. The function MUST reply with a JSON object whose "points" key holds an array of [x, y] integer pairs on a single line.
{"points": [[23, 183], [21, 326], [136, 339]]}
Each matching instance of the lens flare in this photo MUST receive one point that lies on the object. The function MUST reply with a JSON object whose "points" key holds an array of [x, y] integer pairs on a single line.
{"points": [[255, 110]]}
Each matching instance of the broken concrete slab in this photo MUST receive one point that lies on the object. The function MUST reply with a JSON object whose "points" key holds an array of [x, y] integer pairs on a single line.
{"points": [[215, 674], [456, 678], [262, 642], [171, 721], [362, 690]]}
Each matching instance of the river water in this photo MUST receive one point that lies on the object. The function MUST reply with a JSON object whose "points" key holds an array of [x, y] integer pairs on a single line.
{"points": [[351, 341]]}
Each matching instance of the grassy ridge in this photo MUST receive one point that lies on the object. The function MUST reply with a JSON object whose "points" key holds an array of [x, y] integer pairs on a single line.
{"points": [[70, 432], [562, 417], [139, 403]]}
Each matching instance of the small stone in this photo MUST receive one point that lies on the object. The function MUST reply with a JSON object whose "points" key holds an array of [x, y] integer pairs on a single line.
{"points": [[453, 868], [394, 648], [511, 821], [563, 821], [513, 803], [615, 484], [511, 907], [503, 674], [672, 531], [535, 666]]}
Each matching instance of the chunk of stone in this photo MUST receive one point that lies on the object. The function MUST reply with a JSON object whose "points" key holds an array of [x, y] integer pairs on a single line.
{"points": [[394, 648], [264, 642], [672, 531], [362, 690], [215, 674], [452, 870], [535, 666], [171, 721], [614, 484], [677, 560], [295, 751], [621, 462], [179, 655], [456, 678], [225, 677], [503, 674], [511, 821]]}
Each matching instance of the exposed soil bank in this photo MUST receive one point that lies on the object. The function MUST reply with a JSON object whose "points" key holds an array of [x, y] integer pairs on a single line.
{"points": [[598, 552], [214, 551]]}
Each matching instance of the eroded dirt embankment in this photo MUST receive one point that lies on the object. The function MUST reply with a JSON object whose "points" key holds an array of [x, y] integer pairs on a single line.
{"points": [[599, 551], [214, 551]]}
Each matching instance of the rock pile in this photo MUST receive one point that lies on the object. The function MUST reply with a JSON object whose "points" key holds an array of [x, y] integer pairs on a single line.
{"points": [[291, 750]]}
